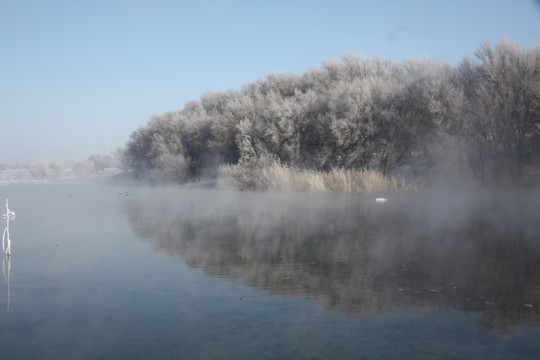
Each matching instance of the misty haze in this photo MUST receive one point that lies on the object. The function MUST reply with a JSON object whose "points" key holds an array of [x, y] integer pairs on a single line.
{"points": [[370, 207], [100, 270]]}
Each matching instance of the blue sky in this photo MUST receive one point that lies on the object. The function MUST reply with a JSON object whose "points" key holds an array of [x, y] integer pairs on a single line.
{"points": [[77, 77]]}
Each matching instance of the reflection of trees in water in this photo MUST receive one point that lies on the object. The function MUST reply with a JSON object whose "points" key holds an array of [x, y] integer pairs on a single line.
{"points": [[356, 256]]}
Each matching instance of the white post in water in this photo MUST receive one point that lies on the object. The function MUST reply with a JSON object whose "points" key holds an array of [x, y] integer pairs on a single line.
{"points": [[6, 241], [6, 276]]}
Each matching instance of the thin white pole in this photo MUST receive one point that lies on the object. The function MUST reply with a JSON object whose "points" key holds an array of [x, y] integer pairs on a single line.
{"points": [[6, 276], [6, 241]]}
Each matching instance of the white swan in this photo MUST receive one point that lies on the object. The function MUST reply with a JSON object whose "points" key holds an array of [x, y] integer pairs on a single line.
{"points": [[381, 200]]}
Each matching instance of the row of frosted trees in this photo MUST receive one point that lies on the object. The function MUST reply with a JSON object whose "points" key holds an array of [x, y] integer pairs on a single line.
{"points": [[479, 119]]}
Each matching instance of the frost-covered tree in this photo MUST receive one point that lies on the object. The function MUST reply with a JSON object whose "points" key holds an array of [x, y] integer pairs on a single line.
{"points": [[509, 81], [357, 113], [156, 151], [352, 127]]}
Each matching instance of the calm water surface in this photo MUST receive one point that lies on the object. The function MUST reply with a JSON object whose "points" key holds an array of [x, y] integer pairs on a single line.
{"points": [[108, 272]]}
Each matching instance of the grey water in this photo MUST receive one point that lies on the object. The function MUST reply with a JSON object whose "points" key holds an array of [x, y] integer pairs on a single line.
{"points": [[124, 272]]}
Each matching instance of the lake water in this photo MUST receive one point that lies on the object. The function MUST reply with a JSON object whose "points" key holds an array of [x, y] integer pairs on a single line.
{"points": [[110, 272]]}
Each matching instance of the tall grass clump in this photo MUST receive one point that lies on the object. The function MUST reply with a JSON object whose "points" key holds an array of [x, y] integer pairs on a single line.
{"points": [[276, 176]]}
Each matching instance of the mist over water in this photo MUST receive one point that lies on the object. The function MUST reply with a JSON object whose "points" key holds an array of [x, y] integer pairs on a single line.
{"points": [[426, 252], [101, 271]]}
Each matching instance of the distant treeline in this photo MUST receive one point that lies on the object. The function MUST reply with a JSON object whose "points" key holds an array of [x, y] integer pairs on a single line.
{"points": [[95, 165], [477, 121]]}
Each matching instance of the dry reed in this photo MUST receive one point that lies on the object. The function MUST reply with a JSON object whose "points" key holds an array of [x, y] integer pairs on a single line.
{"points": [[281, 177]]}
